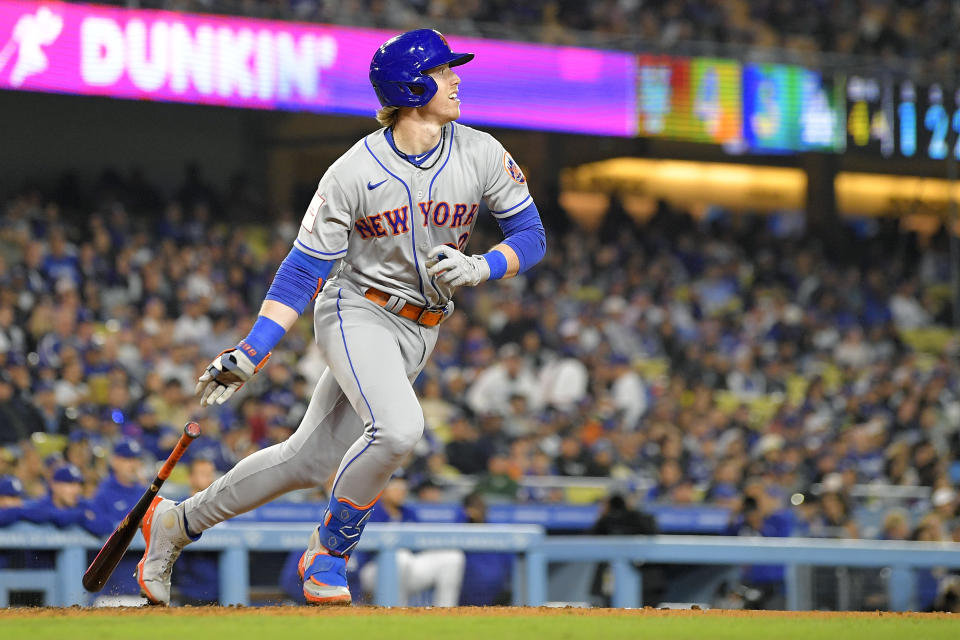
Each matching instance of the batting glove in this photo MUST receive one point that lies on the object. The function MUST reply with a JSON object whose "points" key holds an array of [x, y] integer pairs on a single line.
{"points": [[225, 375], [452, 267]]}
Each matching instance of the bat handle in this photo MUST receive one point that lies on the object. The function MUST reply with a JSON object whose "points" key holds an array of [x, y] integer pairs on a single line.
{"points": [[190, 432]]}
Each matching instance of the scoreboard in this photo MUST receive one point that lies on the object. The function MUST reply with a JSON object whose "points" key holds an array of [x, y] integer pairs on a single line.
{"points": [[896, 118], [783, 108], [790, 108], [693, 99], [761, 108]]}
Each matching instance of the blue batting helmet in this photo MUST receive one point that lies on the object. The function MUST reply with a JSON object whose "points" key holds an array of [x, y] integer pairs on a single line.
{"points": [[398, 66]]}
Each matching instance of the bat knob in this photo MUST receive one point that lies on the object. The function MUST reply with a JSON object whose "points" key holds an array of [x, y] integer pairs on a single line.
{"points": [[192, 429]]}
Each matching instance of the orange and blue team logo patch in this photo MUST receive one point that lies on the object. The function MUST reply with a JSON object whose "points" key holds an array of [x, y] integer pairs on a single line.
{"points": [[513, 169]]}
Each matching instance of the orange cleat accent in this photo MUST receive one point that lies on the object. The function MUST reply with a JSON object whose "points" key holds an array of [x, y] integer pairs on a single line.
{"points": [[145, 526]]}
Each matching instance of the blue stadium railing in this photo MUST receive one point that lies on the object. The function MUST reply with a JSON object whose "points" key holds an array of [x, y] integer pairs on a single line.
{"points": [[235, 541]]}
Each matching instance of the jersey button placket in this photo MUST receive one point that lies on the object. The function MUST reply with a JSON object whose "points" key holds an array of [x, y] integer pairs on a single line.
{"points": [[419, 181]]}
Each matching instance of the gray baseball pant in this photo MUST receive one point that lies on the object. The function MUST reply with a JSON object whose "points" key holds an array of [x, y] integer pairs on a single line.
{"points": [[363, 419]]}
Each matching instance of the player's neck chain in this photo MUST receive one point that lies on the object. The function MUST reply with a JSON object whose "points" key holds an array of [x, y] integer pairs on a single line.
{"points": [[437, 154]]}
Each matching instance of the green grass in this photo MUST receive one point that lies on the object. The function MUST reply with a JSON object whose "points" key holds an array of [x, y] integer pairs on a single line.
{"points": [[403, 626]]}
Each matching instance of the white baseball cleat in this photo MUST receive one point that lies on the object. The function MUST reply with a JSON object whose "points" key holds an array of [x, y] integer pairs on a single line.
{"points": [[166, 535]]}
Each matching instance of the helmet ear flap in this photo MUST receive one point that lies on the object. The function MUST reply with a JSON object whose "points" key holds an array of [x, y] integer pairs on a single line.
{"points": [[428, 88]]}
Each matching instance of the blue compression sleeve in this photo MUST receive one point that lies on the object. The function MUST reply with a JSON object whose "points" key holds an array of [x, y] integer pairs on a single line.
{"points": [[299, 279], [524, 234]]}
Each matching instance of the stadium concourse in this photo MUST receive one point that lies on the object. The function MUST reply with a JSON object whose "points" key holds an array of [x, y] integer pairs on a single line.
{"points": [[730, 360]]}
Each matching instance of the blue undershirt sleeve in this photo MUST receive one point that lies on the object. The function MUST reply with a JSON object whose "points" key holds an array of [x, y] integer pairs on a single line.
{"points": [[523, 232]]}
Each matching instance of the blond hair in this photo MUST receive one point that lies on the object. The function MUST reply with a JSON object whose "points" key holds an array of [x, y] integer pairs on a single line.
{"points": [[387, 116]]}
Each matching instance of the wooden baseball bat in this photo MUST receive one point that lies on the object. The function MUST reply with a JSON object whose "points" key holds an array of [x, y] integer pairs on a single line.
{"points": [[116, 545]]}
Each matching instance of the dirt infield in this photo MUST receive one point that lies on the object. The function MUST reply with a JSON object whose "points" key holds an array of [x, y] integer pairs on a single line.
{"points": [[365, 611]]}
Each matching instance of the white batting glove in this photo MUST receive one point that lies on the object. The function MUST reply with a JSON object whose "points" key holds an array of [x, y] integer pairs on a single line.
{"points": [[225, 375], [452, 267]]}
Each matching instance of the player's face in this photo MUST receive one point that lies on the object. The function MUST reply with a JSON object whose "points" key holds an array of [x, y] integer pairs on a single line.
{"points": [[7, 502], [445, 106], [202, 475], [127, 470], [66, 494]]}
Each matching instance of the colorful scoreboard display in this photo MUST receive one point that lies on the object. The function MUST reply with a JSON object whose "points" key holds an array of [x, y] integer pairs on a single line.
{"points": [[897, 119], [787, 108], [870, 115], [693, 99], [936, 123], [763, 108]]}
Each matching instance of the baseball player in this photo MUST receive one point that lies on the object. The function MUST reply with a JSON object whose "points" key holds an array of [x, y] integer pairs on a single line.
{"points": [[390, 220]]}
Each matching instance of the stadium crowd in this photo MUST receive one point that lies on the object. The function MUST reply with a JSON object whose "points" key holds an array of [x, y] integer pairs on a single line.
{"points": [[922, 32], [728, 360]]}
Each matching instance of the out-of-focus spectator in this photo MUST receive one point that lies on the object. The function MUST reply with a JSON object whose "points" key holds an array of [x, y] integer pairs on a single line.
{"points": [[15, 424], [896, 525], [946, 503], [52, 417], [564, 380], [762, 517], [494, 387], [837, 519], [617, 518], [486, 576], [628, 390], [13, 339], [65, 505], [572, 459], [669, 477], [114, 498], [465, 452], [498, 482], [11, 500], [929, 529]]}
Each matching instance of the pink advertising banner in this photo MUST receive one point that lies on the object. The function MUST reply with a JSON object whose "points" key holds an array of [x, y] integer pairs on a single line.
{"points": [[262, 64]]}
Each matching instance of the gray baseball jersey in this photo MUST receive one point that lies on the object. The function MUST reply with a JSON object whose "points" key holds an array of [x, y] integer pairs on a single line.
{"points": [[381, 214]]}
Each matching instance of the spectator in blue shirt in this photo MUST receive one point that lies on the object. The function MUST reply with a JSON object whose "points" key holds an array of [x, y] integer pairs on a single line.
{"points": [[65, 506], [117, 494], [11, 499], [486, 576], [762, 518], [114, 498], [156, 437], [11, 510]]}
